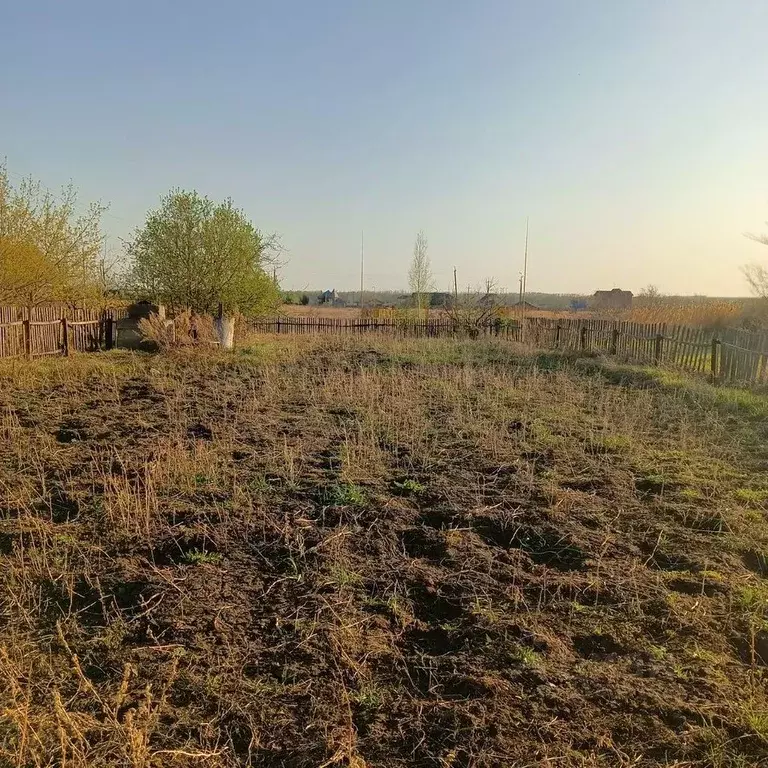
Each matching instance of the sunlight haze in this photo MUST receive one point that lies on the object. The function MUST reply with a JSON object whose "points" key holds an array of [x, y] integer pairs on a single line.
{"points": [[633, 134]]}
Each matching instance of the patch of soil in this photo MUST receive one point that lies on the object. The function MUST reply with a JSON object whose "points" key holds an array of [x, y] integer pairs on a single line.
{"points": [[424, 542], [6, 543], [433, 607], [757, 562], [670, 561], [598, 646], [200, 432], [585, 484], [81, 600], [544, 547], [752, 646], [71, 432], [63, 508], [435, 641], [441, 519], [181, 550], [706, 587]]}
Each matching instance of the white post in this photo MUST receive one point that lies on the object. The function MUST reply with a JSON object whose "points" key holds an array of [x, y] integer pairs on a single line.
{"points": [[225, 330]]}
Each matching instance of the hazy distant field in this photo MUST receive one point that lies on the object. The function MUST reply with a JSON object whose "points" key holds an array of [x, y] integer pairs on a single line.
{"points": [[368, 552], [690, 311], [319, 310]]}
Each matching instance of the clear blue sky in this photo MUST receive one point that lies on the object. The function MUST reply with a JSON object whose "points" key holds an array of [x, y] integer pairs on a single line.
{"points": [[634, 134]]}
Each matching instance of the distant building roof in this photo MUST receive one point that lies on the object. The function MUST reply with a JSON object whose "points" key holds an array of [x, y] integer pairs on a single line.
{"points": [[614, 292], [613, 299]]}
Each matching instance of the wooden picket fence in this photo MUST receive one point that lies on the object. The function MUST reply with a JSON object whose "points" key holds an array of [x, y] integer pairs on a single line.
{"points": [[433, 326], [55, 330], [728, 355]]}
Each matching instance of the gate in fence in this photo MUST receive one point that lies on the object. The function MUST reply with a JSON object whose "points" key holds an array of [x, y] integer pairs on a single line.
{"points": [[55, 331]]}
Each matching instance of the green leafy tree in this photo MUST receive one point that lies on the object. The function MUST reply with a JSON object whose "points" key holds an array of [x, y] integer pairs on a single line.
{"points": [[48, 253], [193, 253]]}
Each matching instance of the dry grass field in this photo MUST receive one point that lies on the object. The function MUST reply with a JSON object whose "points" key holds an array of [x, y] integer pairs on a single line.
{"points": [[706, 313], [320, 310], [367, 552]]}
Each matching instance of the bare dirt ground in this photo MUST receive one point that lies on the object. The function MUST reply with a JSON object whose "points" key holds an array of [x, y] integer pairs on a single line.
{"points": [[363, 552]]}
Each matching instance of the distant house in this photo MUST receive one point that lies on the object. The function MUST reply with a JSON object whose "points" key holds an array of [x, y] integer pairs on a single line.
{"points": [[330, 297], [613, 299], [489, 300], [434, 299], [439, 299], [525, 305]]}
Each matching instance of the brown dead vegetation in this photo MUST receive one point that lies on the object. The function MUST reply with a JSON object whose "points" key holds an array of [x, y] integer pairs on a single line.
{"points": [[356, 552]]}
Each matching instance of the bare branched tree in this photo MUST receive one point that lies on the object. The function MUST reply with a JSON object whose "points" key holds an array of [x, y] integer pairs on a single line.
{"points": [[472, 310], [650, 296], [758, 238], [420, 274], [757, 277], [650, 291], [757, 274]]}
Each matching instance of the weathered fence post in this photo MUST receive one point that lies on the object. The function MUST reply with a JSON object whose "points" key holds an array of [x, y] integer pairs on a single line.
{"points": [[714, 361], [25, 324], [109, 332], [583, 337], [657, 348], [65, 337], [557, 334], [614, 341]]}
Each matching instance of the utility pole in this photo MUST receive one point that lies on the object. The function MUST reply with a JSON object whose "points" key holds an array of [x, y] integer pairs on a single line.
{"points": [[525, 261], [455, 288], [524, 283], [362, 268]]}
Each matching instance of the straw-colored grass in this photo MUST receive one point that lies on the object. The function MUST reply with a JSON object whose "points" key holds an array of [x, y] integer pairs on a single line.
{"points": [[378, 553]]}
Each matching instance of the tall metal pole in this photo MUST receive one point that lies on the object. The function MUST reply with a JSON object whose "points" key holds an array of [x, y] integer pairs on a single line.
{"points": [[362, 267], [524, 283], [455, 288], [525, 262]]}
